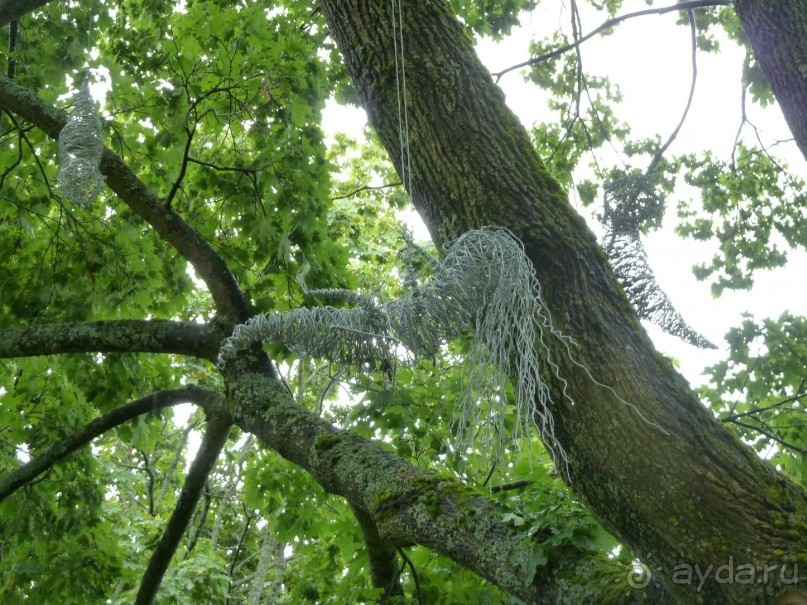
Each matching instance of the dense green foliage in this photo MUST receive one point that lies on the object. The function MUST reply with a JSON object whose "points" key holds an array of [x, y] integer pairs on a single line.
{"points": [[216, 105]]}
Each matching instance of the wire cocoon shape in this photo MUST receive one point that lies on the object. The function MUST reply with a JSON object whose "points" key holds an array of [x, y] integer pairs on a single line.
{"points": [[81, 145]]}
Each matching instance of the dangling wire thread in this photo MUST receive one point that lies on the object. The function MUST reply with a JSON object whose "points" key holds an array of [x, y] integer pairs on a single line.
{"points": [[400, 86]]}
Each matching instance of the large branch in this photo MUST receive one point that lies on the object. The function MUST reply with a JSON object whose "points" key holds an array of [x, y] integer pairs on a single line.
{"points": [[61, 449], [210, 267], [659, 471], [125, 336], [215, 437], [11, 10], [382, 555], [407, 505]]}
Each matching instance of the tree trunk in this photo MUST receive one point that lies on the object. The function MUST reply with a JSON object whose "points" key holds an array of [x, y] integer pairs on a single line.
{"points": [[778, 34], [672, 484], [676, 487]]}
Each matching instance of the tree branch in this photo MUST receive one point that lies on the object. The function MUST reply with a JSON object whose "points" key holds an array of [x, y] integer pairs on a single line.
{"points": [[13, 37], [512, 485], [215, 437], [414, 573], [365, 188], [408, 505], [210, 267], [246, 170], [681, 6], [183, 167], [381, 553], [694, 61], [60, 450], [124, 336], [779, 404], [11, 10], [772, 436]]}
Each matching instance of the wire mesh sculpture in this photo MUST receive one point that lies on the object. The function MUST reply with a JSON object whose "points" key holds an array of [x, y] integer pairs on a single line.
{"points": [[484, 282], [631, 200], [81, 145]]}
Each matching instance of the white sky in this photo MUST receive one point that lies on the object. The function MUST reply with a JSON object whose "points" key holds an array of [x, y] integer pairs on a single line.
{"points": [[649, 58]]}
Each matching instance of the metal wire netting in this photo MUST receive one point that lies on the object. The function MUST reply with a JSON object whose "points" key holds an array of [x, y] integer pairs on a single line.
{"points": [[81, 145], [485, 282], [630, 202]]}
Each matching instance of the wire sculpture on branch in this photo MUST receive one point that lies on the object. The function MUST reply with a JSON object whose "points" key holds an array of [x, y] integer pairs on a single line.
{"points": [[632, 200], [484, 282], [81, 145]]}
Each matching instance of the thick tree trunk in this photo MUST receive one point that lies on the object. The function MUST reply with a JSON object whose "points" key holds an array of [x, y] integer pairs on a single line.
{"points": [[778, 33], [675, 486]]}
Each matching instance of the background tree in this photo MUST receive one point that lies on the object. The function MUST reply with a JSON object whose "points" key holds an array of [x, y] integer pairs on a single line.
{"points": [[220, 194]]}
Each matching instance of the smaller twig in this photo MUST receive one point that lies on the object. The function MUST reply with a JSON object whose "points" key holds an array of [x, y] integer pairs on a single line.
{"points": [[690, 5], [82, 436], [513, 485], [770, 435], [743, 121], [732, 417], [411, 566], [694, 42], [242, 538], [227, 168], [182, 169], [150, 473], [364, 188], [490, 474]]}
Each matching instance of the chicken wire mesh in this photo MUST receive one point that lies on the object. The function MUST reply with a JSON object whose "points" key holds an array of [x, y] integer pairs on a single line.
{"points": [[484, 282], [630, 202], [81, 145]]}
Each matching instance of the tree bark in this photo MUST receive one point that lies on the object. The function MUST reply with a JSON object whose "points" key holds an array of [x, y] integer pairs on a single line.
{"points": [[411, 506], [123, 336], [11, 10], [669, 481], [685, 493], [777, 31]]}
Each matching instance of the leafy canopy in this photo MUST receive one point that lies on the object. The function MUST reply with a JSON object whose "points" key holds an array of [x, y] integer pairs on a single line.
{"points": [[217, 106]]}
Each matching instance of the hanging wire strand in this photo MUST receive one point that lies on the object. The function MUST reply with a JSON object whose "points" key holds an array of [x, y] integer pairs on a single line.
{"points": [[400, 88]]}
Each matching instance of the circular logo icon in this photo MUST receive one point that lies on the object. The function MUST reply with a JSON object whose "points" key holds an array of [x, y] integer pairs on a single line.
{"points": [[639, 575]]}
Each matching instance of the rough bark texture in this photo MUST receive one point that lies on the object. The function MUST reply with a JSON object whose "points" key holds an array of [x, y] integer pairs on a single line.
{"points": [[11, 10], [670, 482], [687, 492], [778, 33], [411, 506], [151, 336]]}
